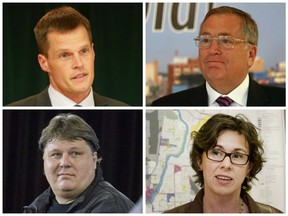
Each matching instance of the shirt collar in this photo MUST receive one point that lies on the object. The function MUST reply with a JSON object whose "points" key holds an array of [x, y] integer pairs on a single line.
{"points": [[239, 95], [58, 99]]}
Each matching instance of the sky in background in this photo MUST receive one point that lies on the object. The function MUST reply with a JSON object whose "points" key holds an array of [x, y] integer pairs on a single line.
{"points": [[163, 45]]}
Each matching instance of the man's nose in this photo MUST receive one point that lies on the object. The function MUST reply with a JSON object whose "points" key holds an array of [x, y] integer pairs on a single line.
{"points": [[214, 48], [65, 160], [77, 61]]}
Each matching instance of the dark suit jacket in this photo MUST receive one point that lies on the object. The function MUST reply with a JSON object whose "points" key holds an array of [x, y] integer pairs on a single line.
{"points": [[258, 95], [42, 99]]}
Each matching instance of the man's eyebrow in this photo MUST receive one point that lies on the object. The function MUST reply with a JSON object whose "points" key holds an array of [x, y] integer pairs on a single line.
{"points": [[49, 151], [220, 33], [75, 148], [69, 50], [62, 50], [69, 149]]}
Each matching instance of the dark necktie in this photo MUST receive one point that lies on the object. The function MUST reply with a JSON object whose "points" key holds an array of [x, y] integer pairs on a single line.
{"points": [[77, 105], [224, 101]]}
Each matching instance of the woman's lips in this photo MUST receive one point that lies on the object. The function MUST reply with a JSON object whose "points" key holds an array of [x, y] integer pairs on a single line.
{"points": [[224, 178]]}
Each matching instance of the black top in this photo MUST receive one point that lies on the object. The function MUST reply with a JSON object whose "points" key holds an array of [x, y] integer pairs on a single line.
{"points": [[99, 197], [55, 207]]}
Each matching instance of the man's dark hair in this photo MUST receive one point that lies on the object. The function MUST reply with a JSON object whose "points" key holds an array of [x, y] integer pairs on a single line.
{"points": [[69, 127], [206, 138]]}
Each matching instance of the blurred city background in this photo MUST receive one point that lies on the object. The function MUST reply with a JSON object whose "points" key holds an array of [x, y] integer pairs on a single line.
{"points": [[171, 54]]}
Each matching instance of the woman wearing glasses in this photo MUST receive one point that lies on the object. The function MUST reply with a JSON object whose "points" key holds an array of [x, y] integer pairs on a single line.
{"points": [[226, 155]]}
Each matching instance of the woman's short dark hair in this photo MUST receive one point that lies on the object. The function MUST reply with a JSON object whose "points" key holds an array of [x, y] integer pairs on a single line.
{"points": [[206, 138], [69, 127]]}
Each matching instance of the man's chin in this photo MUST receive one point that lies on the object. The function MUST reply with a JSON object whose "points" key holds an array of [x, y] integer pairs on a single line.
{"points": [[66, 186], [66, 189], [79, 93]]}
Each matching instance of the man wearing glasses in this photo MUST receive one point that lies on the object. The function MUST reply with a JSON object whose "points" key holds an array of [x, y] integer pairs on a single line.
{"points": [[227, 49]]}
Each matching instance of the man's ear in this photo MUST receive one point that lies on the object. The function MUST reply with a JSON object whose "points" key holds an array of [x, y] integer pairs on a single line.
{"points": [[251, 54], [43, 63], [94, 53], [95, 159]]}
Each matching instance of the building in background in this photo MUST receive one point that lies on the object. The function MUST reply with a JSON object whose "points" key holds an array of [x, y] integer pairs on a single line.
{"points": [[172, 26], [156, 83], [184, 72], [272, 76]]}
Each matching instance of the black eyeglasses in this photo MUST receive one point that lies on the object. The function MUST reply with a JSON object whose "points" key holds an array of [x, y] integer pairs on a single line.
{"points": [[235, 157], [224, 41]]}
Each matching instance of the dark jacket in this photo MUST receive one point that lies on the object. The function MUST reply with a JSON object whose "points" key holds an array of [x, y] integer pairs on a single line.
{"points": [[196, 206], [258, 95], [42, 99], [99, 197]]}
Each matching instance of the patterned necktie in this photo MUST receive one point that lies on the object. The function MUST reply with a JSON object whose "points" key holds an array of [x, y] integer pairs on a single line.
{"points": [[224, 101]]}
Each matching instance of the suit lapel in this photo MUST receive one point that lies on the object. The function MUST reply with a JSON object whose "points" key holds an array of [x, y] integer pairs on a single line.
{"points": [[100, 100], [199, 96], [256, 95], [43, 99]]}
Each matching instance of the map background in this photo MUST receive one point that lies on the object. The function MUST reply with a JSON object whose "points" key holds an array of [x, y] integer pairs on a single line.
{"points": [[169, 176]]}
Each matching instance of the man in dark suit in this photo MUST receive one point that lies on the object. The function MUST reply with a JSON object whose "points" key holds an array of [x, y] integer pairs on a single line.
{"points": [[66, 53], [227, 44], [42, 99]]}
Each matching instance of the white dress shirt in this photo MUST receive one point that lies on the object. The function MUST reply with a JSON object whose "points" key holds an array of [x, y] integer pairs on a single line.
{"points": [[239, 95], [58, 99]]}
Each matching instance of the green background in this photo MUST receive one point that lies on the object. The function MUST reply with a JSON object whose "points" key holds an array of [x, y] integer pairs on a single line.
{"points": [[117, 37]]}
